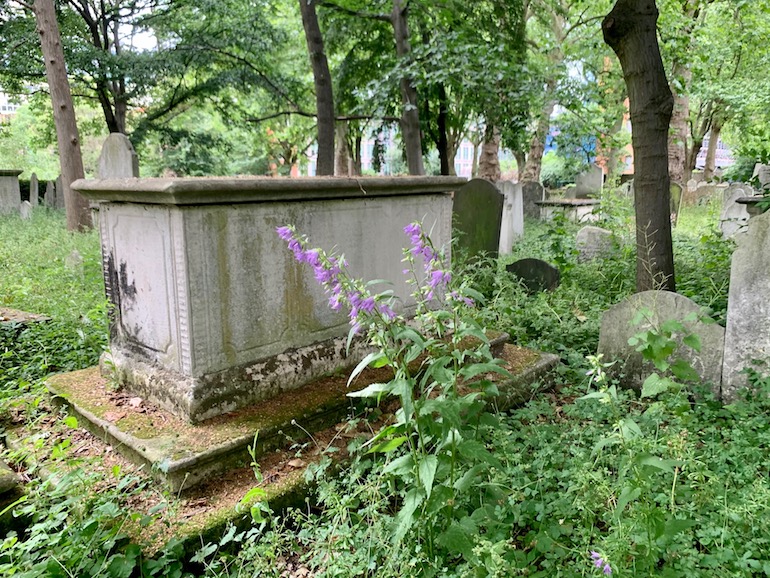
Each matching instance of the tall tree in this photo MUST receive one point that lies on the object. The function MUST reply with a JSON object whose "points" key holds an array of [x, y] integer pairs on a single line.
{"points": [[323, 87], [67, 136], [630, 30]]}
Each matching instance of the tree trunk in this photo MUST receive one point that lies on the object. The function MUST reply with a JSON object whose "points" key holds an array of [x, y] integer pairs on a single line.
{"points": [[70, 158], [630, 30], [678, 130], [489, 162], [521, 161], [445, 160], [342, 154], [711, 152], [410, 118], [699, 131], [534, 163], [322, 80]]}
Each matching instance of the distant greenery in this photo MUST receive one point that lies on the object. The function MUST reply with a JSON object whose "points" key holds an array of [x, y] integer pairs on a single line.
{"points": [[672, 483]]}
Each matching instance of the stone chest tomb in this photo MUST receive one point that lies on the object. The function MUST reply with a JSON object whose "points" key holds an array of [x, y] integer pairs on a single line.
{"points": [[210, 311]]}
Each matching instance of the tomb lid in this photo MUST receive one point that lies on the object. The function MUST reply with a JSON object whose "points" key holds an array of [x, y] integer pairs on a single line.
{"points": [[10, 172], [219, 190], [568, 202]]}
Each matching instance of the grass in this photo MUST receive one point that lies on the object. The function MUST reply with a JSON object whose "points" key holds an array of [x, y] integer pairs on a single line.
{"points": [[657, 486]]}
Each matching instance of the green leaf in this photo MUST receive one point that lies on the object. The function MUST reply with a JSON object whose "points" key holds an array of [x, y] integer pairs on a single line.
{"points": [[469, 477], [71, 422], [658, 463], [371, 390], [457, 540], [427, 470], [627, 495], [692, 340], [388, 446], [364, 363], [655, 384], [674, 526], [400, 466], [683, 371], [405, 516], [474, 369], [629, 429]]}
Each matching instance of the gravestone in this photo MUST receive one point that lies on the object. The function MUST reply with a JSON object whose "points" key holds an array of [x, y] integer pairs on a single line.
{"points": [[762, 174], [532, 192], [616, 329], [535, 274], [705, 192], [58, 190], [627, 189], [10, 193], [26, 210], [74, 262], [734, 216], [34, 190], [49, 198], [747, 337], [594, 243], [118, 159], [477, 213], [589, 183], [512, 227]]}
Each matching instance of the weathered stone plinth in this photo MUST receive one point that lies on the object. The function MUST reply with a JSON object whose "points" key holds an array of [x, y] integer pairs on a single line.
{"points": [[211, 312]]}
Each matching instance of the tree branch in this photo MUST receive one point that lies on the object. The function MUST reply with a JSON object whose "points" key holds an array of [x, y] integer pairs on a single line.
{"points": [[356, 13]]}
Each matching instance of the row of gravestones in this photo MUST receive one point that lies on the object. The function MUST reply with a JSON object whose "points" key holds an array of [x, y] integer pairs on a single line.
{"points": [[117, 160], [726, 354]]}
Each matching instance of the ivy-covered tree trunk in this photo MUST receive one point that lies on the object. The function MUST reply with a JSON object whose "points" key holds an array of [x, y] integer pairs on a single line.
{"points": [[630, 30], [489, 160], [67, 136], [410, 118], [323, 87]]}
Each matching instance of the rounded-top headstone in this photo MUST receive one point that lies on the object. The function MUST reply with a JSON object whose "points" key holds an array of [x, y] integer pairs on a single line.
{"points": [[594, 243], [118, 159], [535, 274], [477, 213], [660, 306]]}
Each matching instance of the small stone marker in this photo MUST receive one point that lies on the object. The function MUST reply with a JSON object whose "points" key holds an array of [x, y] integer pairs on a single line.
{"points": [[10, 193], [34, 190], [59, 193], [593, 243], [118, 159], [762, 174], [616, 329], [74, 262], [734, 217], [589, 183], [747, 337], [26, 210], [477, 214], [512, 227], [49, 198], [532, 192], [537, 275]]}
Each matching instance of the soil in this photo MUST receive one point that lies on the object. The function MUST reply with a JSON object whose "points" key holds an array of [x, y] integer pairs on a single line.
{"points": [[8, 315]]}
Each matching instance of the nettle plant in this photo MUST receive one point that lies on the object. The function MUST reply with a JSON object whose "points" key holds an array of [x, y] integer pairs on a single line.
{"points": [[438, 464]]}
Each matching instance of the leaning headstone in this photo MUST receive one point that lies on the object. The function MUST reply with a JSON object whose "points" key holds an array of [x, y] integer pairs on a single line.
{"points": [[658, 307], [594, 243], [477, 214], [59, 193], [49, 198], [10, 193], [26, 210], [734, 216], [34, 190], [589, 183], [536, 275], [747, 338], [512, 227], [532, 193], [118, 159]]}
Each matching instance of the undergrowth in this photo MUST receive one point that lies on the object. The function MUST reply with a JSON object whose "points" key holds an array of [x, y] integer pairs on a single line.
{"points": [[584, 481]]}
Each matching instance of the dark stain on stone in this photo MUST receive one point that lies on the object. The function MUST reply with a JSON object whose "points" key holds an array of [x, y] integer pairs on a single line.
{"points": [[127, 291]]}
